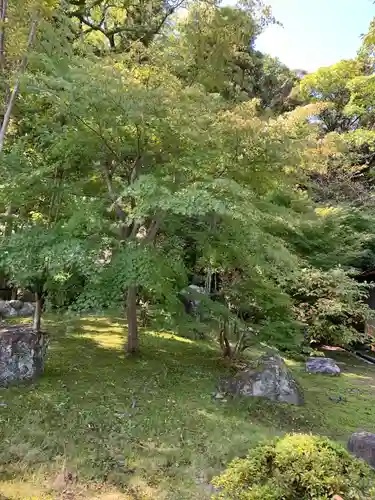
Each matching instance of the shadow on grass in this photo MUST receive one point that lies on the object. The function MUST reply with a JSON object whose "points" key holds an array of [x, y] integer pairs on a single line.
{"points": [[126, 421], [149, 420]]}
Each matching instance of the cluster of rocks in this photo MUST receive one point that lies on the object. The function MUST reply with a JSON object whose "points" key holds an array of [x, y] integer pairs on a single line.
{"points": [[22, 354], [16, 309], [270, 378]]}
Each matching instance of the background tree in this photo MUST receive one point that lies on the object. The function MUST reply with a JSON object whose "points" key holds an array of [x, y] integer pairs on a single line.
{"points": [[115, 25], [127, 159], [215, 46]]}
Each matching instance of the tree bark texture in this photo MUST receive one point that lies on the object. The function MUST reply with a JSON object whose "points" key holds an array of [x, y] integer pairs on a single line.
{"points": [[16, 88], [131, 312], [38, 312]]}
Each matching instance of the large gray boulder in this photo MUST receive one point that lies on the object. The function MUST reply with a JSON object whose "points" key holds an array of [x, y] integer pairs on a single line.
{"points": [[4, 308], [192, 296], [12, 313], [322, 365], [26, 310], [16, 308], [16, 304], [362, 445], [22, 354], [270, 379]]}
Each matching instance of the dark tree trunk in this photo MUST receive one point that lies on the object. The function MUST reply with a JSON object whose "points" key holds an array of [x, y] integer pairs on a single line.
{"points": [[38, 312], [131, 312], [224, 342], [8, 229]]}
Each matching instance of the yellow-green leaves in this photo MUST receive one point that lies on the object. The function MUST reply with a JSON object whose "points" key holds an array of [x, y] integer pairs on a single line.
{"points": [[330, 84]]}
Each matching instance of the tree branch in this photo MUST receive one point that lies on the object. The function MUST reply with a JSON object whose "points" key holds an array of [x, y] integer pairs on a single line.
{"points": [[108, 178], [105, 142], [152, 230], [83, 15], [84, 20], [148, 36]]}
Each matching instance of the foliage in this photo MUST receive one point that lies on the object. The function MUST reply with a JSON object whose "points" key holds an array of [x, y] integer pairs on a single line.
{"points": [[297, 466], [135, 153], [38, 258], [150, 127], [330, 83], [331, 305], [214, 46], [116, 24], [313, 232], [346, 87]]}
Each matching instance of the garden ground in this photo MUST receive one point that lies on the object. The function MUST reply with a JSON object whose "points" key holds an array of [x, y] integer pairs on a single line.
{"points": [[101, 426]]}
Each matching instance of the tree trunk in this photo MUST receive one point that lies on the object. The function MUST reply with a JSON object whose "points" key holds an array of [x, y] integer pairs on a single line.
{"points": [[8, 225], [223, 340], [16, 87], [38, 312], [131, 312], [3, 19]]}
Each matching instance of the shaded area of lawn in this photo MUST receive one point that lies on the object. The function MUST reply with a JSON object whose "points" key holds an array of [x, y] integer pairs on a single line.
{"points": [[149, 427]]}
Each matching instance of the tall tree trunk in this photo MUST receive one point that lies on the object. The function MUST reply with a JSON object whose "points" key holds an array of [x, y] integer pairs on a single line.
{"points": [[223, 340], [131, 312], [5, 80], [38, 312], [3, 17], [8, 225], [16, 88]]}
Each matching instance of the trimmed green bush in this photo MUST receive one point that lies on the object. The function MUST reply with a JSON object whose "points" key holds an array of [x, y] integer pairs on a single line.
{"points": [[297, 467]]}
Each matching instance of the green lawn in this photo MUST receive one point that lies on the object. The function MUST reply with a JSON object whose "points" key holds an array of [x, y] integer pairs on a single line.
{"points": [[149, 427]]}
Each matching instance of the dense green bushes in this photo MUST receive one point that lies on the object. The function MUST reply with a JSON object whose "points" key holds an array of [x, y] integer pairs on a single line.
{"points": [[331, 305], [297, 467]]}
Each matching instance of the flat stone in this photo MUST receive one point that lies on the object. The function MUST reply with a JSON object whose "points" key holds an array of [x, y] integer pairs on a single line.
{"points": [[22, 354], [322, 365], [271, 379], [219, 395], [362, 445]]}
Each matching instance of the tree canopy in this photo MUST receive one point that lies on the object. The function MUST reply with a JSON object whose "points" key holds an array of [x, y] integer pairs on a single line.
{"points": [[147, 142]]}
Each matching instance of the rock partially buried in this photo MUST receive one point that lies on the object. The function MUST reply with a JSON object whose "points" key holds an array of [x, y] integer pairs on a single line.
{"points": [[16, 304], [22, 354], [270, 379], [16, 308], [322, 365], [26, 310], [362, 445]]}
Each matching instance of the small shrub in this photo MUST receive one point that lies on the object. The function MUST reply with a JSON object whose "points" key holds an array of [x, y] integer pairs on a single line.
{"points": [[297, 467], [317, 354]]}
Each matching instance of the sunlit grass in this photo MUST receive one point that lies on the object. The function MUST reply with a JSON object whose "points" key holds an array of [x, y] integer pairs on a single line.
{"points": [[108, 341], [149, 427], [357, 376], [169, 336]]}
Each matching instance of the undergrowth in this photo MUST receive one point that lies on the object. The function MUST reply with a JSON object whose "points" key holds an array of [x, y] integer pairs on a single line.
{"points": [[149, 427]]}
